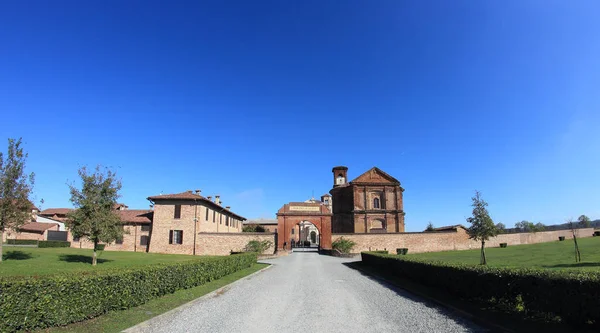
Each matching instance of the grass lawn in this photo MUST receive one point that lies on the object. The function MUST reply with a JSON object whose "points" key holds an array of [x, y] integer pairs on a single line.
{"points": [[21, 261], [117, 321], [554, 255]]}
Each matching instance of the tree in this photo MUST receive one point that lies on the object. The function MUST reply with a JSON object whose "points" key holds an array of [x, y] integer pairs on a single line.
{"points": [[482, 227], [430, 227], [526, 226], [253, 228], [538, 227], [584, 221], [15, 187], [501, 227], [573, 228], [94, 217]]}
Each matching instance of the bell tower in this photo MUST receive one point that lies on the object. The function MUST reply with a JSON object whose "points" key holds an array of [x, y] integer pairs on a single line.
{"points": [[340, 176]]}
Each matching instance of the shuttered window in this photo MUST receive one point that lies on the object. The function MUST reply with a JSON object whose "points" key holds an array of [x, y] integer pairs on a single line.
{"points": [[176, 237], [177, 214]]}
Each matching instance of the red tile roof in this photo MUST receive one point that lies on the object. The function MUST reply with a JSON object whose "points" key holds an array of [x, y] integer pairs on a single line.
{"points": [[141, 216], [37, 227], [56, 211], [189, 195]]}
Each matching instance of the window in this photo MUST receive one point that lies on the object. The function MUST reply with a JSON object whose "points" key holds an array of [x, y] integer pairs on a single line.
{"points": [[119, 241], [293, 231], [227, 220], [214, 216], [220, 218], [340, 179], [144, 240], [376, 203], [176, 237], [177, 214], [145, 228], [207, 214]]}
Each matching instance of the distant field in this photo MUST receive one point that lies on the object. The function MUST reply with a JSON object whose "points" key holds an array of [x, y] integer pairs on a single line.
{"points": [[554, 255], [21, 261]]}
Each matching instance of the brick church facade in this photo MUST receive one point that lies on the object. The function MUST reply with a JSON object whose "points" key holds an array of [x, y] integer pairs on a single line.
{"points": [[371, 203]]}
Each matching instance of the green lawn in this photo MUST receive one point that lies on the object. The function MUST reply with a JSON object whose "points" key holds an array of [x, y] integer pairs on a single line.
{"points": [[554, 255], [116, 321], [20, 261]]}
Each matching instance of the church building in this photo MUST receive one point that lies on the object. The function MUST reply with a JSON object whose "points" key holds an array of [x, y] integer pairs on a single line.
{"points": [[371, 203]]}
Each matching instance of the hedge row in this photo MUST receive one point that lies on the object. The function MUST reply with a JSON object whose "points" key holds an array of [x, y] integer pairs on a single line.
{"points": [[32, 303], [21, 241], [574, 296], [54, 244]]}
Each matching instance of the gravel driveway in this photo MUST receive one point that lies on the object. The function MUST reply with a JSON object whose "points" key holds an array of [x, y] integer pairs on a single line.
{"points": [[308, 292]]}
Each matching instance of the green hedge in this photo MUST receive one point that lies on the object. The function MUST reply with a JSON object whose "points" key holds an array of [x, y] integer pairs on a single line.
{"points": [[33, 303], [21, 241], [574, 296], [54, 244]]}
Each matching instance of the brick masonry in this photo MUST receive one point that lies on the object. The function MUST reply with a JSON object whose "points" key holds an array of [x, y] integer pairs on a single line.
{"points": [[224, 243], [418, 242]]}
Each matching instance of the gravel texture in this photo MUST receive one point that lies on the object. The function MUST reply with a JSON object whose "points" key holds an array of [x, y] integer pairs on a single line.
{"points": [[308, 292]]}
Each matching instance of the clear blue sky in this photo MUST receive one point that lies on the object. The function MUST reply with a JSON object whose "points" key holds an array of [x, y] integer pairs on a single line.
{"points": [[257, 101]]}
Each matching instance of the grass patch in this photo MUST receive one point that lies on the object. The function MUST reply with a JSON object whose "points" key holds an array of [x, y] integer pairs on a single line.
{"points": [[116, 321], [45, 261], [553, 255]]}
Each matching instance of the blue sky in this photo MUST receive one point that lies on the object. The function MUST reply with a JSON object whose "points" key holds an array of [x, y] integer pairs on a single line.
{"points": [[258, 100]]}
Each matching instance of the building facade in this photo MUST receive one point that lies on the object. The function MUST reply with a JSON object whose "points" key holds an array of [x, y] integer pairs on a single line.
{"points": [[371, 203], [179, 218]]}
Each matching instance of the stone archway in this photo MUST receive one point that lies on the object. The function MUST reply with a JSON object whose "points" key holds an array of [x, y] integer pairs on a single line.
{"points": [[290, 215]]}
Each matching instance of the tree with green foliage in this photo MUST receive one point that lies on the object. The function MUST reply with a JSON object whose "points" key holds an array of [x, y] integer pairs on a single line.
{"points": [[526, 226], [501, 227], [253, 228], [482, 227], [430, 227], [15, 188], [258, 246], [94, 217], [584, 221], [343, 245]]}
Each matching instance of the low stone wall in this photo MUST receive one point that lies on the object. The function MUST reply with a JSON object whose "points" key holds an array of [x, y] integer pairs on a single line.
{"points": [[418, 242], [209, 243]]}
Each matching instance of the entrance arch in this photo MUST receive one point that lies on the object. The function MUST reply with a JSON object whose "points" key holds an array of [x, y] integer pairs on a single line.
{"points": [[292, 214]]}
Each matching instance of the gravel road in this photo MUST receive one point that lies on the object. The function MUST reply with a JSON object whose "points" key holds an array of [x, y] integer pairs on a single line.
{"points": [[307, 292]]}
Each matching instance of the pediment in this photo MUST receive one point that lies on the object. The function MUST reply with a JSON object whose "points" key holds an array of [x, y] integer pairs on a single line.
{"points": [[375, 175]]}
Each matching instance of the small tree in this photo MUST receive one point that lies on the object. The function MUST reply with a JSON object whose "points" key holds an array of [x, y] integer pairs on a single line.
{"points": [[343, 245], [538, 227], [258, 246], [253, 228], [501, 227], [430, 227], [15, 187], [94, 217], [482, 227], [584, 221], [573, 228]]}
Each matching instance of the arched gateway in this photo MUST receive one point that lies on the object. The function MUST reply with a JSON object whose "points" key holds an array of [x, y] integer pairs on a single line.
{"points": [[289, 217]]}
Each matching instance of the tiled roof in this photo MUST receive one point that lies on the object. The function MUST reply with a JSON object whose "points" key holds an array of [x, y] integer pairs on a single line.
{"points": [[189, 195], [260, 221], [136, 215], [449, 227], [56, 211], [37, 227], [180, 196]]}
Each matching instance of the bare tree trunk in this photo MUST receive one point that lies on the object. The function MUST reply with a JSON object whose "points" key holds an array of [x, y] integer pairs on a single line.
{"points": [[483, 260], [1, 240], [94, 259], [577, 253]]}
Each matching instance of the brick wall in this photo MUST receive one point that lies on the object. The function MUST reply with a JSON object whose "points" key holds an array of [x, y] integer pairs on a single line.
{"points": [[417, 242], [131, 240], [224, 243]]}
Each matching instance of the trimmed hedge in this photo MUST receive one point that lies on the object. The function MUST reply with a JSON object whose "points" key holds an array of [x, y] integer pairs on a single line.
{"points": [[402, 251], [33, 303], [54, 244], [21, 241], [572, 295], [503, 245]]}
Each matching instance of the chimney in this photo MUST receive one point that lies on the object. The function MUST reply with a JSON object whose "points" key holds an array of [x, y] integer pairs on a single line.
{"points": [[189, 191], [228, 207], [209, 198], [197, 192], [218, 199]]}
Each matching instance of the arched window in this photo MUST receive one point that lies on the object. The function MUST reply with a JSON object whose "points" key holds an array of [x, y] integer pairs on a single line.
{"points": [[340, 179], [376, 203]]}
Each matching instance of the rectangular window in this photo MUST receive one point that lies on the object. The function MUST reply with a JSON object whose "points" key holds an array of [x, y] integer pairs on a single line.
{"points": [[176, 237], [227, 220], [144, 240], [206, 214], [145, 228], [177, 214], [119, 240], [292, 231], [220, 218], [214, 216]]}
